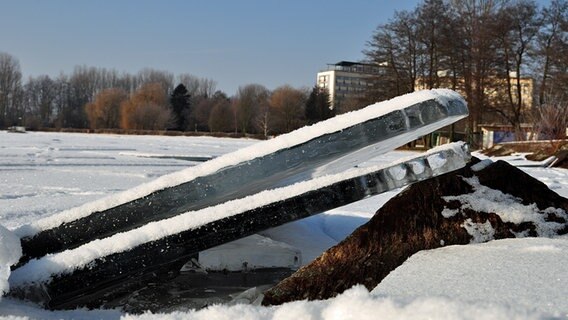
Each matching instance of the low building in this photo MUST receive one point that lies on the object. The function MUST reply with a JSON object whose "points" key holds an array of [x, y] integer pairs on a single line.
{"points": [[495, 91], [499, 133]]}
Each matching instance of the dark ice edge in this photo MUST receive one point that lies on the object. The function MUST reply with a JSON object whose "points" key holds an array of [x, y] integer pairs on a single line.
{"points": [[274, 170], [120, 273]]}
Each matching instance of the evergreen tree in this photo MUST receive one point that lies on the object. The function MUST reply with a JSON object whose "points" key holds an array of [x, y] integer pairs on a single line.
{"points": [[318, 106], [180, 101]]}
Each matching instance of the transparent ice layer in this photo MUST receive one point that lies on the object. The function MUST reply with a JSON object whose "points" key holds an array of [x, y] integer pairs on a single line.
{"points": [[93, 273], [302, 160]]}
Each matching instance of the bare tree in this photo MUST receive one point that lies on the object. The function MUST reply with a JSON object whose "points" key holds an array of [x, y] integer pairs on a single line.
{"points": [[201, 113], [206, 87], [39, 101], [354, 103], [288, 106], [479, 47], [477, 17], [247, 103], [80, 89], [11, 92], [61, 99], [551, 48], [263, 119], [163, 78], [433, 32], [516, 28], [394, 47], [127, 82], [221, 116], [190, 82]]}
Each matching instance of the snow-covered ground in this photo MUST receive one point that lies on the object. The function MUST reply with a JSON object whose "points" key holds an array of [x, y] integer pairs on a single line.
{"points": [[45, 173]]}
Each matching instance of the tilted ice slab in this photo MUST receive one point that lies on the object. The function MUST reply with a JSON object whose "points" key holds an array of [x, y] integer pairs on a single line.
{"points": [[84, 256], [328, 147], [265, 209]]}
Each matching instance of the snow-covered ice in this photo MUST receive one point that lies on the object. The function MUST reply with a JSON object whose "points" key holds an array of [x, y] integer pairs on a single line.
{"points": [[45, 173]]}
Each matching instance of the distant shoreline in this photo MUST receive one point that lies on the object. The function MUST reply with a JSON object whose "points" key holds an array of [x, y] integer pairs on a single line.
{"points": [[153, 132]]}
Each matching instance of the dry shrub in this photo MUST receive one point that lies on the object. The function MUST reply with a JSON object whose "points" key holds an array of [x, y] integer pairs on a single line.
{"points": [[104, 112], [147, 109], [551, 121]]}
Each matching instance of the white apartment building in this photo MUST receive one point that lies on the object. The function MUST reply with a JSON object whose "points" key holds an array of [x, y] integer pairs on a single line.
{"points": [[347, 79]]}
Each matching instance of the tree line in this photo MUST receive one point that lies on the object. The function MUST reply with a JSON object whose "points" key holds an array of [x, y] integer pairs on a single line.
{"points": [[487, 49], [99, 98]]}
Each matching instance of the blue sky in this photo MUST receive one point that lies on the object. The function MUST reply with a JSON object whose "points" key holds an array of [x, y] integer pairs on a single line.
{"points": [[234, 42]]}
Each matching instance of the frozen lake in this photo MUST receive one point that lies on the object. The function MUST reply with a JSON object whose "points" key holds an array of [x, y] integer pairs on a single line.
{"points": [[45, 173]]}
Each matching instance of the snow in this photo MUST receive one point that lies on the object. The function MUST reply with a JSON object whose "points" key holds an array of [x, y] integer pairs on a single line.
{"points": [[519, 160], [358, 304], [527, 273], [507, 207], [480, 232], [45, 173]]}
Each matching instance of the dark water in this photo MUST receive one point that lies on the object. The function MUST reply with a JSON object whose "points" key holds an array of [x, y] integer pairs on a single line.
{"points": [[196, 290]]}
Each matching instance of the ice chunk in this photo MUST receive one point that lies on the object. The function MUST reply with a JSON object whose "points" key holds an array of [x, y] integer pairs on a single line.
{"points": [[481, 165], [417, 166], [10, 252], [398, 172], [436, 161], [253, 252]]}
